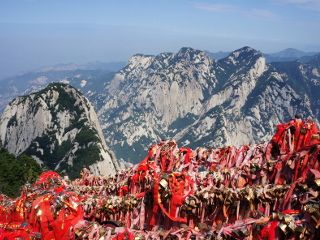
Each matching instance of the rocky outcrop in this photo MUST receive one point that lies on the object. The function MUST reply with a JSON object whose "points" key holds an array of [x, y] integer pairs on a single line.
{"points": [[59, 128], [196, 100]]}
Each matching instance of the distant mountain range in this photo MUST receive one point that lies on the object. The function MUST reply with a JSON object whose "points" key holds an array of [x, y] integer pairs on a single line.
{"points": [[289, 54], [87, 77], [102, 66], [191, 96]]}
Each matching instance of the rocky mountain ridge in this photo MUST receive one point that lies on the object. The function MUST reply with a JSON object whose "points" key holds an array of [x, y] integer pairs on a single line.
{"points": [[59, 128], [200, 101], [194, 99]]}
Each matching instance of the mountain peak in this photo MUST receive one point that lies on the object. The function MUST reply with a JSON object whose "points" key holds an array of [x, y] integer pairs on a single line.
{"points": [[184, 50], [59, 128], [245, 50], [188, 52], [192, 56], [140, 61], [242, 55], [58, 86]]}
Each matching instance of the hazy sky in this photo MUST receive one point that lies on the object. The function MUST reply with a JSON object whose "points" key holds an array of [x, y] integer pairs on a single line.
{"points": [[36, 33]]}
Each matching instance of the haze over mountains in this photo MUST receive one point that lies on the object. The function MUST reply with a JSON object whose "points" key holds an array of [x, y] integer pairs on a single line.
{"points": [[100, 72], [87, 77], [190, 97], [288, 54]]}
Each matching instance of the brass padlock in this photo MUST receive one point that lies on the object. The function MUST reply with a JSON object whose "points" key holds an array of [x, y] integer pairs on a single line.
{"points": [[303, 131]]}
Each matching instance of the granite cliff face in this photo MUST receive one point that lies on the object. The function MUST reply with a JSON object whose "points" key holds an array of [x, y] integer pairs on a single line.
{"points": [[198, 101], [59, 128]]}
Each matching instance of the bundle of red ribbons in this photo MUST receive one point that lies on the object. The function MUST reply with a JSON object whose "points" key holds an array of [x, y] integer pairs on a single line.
{"points": [[266, 191]]}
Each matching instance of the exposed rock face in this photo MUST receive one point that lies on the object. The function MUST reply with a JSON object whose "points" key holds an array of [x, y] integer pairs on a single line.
{"points": [[192, 98], [59, 128], [201, 102]]}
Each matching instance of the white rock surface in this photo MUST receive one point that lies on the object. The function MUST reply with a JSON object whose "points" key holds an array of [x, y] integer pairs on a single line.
{"points": [[28, 118], [197, 101]]}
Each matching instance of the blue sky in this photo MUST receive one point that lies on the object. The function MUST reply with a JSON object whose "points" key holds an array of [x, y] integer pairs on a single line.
{"points": [[35, 33]]}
